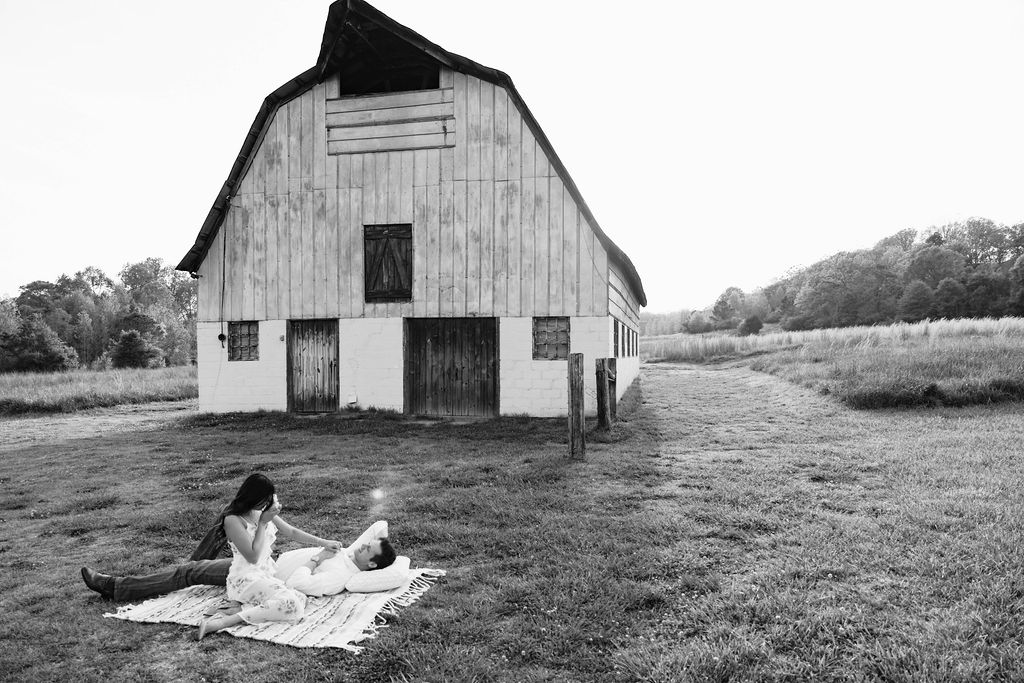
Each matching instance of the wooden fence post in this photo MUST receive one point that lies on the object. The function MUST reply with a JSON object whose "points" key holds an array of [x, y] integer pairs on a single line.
{"points": [[613, 401], [577, 447], [603, 414]]}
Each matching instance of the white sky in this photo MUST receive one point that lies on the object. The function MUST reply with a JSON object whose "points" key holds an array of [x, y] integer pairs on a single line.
{"points": [[718, 142]]}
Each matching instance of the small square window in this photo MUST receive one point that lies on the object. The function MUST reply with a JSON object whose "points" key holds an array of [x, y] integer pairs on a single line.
{"points": [[550, 338], [387, 262], [244, 341]]}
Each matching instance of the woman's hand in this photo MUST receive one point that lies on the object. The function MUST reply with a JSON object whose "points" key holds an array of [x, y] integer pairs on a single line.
{"points": [[270, 512], [334, 546]]}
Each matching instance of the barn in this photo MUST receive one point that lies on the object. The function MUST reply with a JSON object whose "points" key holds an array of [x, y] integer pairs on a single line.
{"points": [[397, 232]]}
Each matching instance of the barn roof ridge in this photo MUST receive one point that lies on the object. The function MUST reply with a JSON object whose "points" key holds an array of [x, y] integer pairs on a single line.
{"points": [[337, 17]]}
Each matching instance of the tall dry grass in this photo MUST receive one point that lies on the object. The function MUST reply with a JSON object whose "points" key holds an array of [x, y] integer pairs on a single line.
{"points": [[945, 362], [56, 392], [703, 348]]}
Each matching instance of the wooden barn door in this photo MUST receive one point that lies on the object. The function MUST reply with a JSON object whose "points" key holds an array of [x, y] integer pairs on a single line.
{"points": [[313, 366], [451, 366]]}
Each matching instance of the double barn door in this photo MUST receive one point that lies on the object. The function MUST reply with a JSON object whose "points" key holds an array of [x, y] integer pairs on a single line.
{"points": [[451, 366]]}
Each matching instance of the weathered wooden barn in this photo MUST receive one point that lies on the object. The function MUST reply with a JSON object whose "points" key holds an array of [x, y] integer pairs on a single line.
{"points": [[398, 232]]}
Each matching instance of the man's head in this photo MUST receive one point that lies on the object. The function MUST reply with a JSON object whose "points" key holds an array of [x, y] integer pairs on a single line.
{"points": [[375, 554]]}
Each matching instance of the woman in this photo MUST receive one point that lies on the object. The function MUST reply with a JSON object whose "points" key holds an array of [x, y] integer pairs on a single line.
{"points": [[251, 523]]}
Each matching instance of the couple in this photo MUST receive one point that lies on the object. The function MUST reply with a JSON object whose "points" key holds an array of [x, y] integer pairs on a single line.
{"points": [[249, 524]]}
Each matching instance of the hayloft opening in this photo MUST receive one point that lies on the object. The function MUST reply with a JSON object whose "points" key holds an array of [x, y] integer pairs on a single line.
{"points": [[373, 60]]}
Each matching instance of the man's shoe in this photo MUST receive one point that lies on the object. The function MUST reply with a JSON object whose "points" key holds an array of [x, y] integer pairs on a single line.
{"points": [[101, 583]]}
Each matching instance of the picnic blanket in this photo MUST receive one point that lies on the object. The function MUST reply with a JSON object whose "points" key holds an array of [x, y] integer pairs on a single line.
{"points": [[332, 621]]}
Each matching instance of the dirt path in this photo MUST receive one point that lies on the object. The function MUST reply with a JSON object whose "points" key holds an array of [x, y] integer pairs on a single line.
{"points": [[718, 409], [18, 432]]}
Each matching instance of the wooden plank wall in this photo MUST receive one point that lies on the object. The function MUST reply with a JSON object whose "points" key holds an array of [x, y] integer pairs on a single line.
{"points": [[622, 304], [495, 231]]}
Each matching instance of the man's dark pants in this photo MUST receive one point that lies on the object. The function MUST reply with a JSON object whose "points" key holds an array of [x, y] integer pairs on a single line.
{"points": [[205, 572]]}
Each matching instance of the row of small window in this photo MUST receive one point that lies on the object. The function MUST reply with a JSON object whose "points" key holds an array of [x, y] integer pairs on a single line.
{"points": [[627, 341], [550, 339]]}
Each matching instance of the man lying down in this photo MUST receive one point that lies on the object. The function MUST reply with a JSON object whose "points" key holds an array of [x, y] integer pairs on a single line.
{"points": [[317, 572], [368, 565]]}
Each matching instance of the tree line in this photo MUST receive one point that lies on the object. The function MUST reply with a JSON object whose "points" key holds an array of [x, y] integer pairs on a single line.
{"points": [[144, 318], [966, 269]]}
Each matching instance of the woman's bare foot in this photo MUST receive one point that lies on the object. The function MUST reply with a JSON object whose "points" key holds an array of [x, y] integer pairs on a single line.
{"points": [[216, 623]]}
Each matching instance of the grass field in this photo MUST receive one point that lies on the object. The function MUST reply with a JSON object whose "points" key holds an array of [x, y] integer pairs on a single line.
{"points": [[732, 527], [954, 363], [57, 392]]}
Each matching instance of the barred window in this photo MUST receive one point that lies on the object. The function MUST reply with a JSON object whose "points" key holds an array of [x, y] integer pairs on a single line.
{"points": [[615, 347], [244, 341], [551, 338]]}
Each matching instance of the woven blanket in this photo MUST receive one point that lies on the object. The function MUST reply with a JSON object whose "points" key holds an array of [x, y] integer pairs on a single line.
{"points": [[333, 621]]}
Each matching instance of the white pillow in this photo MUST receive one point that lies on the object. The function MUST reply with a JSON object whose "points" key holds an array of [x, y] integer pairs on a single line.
{"points": [[371, 581], [392, 576]]}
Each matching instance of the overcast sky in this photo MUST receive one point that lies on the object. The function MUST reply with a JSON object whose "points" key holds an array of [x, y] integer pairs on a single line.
{"points": [[718, 143]]}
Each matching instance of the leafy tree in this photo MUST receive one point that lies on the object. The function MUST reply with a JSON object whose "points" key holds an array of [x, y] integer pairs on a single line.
{"points": [[145, 325], [979, 239], [185, 295], [846, 289], [1015, 241], [36, 298], [902, 240], [699, 323], [148, 283], [781, 296], [934, 264], [1016, 303], [728, 304], [35, 348], [917, 302], [750, 325], [988, 292], [935, 239], [10, 319], [132, 350], [950, 298]]}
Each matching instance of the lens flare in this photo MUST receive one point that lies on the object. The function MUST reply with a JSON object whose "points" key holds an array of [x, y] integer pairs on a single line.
{"points": [[377, 494]]}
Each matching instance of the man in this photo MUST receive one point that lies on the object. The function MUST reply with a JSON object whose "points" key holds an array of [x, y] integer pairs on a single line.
{"points": [[373, 554], [327, 572]]}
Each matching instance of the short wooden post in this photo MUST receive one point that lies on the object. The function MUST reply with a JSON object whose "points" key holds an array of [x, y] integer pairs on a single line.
{"points": [[603, 415], [577, 447], [612, 392]]}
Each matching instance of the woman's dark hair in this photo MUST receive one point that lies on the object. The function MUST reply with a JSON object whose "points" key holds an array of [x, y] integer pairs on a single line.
{"points": [[256, 491], [386, 556]]}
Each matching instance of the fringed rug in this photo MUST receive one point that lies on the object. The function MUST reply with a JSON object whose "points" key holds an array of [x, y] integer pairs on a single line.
{"points": [[333, 621]]}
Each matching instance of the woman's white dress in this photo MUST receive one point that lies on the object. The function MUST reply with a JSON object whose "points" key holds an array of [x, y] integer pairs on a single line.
{"points": [[263, 596]]}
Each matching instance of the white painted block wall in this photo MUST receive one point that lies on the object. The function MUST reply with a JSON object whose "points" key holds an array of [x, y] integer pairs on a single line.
{"points": [[371, 358], [541, 387], [228, 386], [626, 371], [626, 367]]}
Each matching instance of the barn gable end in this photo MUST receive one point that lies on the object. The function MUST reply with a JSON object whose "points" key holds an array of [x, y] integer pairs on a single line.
{"points": [[440, 155]]}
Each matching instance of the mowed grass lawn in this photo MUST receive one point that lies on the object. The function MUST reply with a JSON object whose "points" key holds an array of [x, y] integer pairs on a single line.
{"points": [[733, 527]]}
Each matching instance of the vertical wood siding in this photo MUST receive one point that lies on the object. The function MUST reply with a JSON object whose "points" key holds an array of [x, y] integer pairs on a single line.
{"points": [[495, 231]]}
